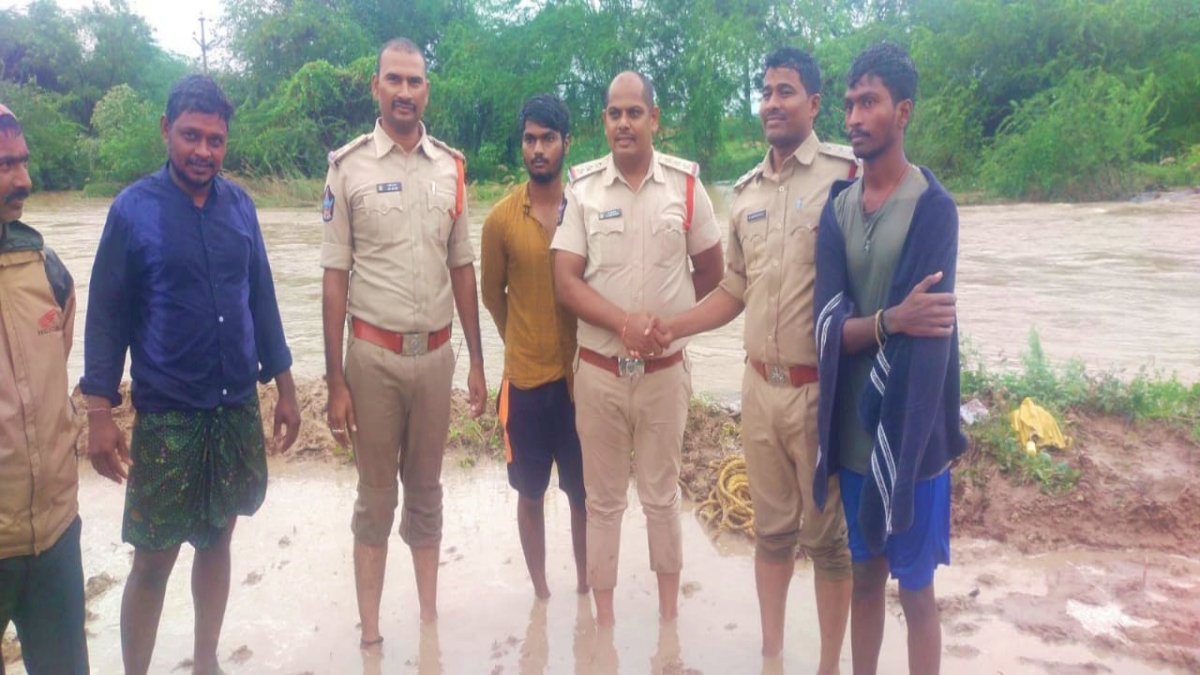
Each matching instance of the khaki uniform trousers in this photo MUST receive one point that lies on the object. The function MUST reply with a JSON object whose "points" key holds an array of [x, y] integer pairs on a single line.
{"points": [[645, 415], [402, 408], [779, 437]]}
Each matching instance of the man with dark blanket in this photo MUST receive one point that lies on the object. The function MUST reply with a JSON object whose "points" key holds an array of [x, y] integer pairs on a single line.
{"points": [[887, 341], [181, 280]]}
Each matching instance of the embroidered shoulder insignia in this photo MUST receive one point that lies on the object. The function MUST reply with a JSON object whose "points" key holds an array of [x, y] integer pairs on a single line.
{"points": [[336, 156], [586, 169], [747, 177], [840, 151], [444, 146], [686, 166]]}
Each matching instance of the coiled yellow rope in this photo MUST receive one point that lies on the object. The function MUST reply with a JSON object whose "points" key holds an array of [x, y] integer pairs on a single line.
{"points": [[728, 508]]}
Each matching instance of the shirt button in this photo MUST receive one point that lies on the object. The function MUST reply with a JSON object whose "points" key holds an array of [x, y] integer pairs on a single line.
{"points": [[774, 263], [220, 319], [225, 392], [782, 188], [770, 338]]}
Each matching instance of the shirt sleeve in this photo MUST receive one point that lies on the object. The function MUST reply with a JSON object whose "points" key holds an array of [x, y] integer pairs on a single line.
{"points": [[704, 233], [572, 232], [109, 316], [337, 240], [734, 282], [459, 251], [493, 261], [274, 356]]}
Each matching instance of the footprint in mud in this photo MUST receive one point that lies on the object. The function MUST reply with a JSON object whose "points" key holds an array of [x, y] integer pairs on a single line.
{"points": [[252, 579], [98, 585], [690, 588], [964, 629], [1090, 668], [241, 655], [285, 542], [962, 651]]}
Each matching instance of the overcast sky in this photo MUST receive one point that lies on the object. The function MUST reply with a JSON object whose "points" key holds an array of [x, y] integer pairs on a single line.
{"points": [[175, 23]]}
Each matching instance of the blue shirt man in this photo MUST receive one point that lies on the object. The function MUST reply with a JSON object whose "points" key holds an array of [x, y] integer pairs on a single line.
{"points": [[181, 280]]}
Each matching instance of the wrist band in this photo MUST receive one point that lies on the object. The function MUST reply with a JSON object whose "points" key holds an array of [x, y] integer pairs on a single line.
{"points": [[878, 337]]}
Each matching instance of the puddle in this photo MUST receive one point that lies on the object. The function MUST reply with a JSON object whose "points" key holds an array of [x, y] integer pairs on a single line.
{"points": [[292, 607]]}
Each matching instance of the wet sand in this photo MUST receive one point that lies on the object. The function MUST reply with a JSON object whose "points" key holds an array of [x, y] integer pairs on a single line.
{"points": [[292, 608]]}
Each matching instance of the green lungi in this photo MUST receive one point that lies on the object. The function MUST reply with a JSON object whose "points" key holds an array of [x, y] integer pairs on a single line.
{"points": [[192, 472]]}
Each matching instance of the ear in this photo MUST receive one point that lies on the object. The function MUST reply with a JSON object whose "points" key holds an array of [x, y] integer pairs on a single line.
{"points": [[375, 86], [814, 105], [164, 127], [904, 113], [654, 114], [566, 144]]}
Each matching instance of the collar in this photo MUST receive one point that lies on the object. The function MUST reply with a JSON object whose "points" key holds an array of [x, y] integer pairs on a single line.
{"points": [[17, 236], [612, 173], [384, 143], [805, 154], [214, 190]]}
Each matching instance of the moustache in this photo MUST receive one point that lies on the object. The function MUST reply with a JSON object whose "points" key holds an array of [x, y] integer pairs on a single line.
{"points": [[16, 196]]}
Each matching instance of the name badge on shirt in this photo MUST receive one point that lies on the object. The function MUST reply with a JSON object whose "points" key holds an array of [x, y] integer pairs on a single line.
{"points": [[756, 216], [614, 213], [387, 187]]}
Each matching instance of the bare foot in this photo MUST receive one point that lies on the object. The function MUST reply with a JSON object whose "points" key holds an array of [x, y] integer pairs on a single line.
{"points": [[542, 591], [428, 616]]}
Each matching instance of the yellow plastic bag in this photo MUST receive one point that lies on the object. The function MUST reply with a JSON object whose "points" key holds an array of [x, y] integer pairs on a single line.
{"points": [[1037, 428]]}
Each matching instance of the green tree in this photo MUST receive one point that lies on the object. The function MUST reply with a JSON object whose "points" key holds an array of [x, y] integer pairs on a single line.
{"points": [[128, 139], [55, 141]]}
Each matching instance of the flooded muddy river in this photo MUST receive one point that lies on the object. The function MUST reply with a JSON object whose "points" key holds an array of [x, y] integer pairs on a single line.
{"points": [[1115, 284], [292, 607]]}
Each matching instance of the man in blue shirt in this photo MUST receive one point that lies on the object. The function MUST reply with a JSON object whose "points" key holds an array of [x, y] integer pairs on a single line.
{"points": [[181, 281]]}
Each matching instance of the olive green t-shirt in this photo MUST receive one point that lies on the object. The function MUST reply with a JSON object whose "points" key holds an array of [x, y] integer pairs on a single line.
{"points": [[873, 245]]}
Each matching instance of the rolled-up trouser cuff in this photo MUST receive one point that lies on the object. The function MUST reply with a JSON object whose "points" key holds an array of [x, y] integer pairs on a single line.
{"points": [[374, 513]]}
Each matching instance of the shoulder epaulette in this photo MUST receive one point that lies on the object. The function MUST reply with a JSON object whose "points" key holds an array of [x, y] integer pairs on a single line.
{"points": [[336, 156], [686, 166], [444, 146], [840, 151], [747, 177], [586, 169]]}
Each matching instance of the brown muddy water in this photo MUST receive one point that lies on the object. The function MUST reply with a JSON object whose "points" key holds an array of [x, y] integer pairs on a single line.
{"points": [[1115, 284], [292, 607]]}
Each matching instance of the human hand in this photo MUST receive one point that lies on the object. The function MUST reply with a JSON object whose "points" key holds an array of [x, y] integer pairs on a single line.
{"points": [[477, 389], [639, 336], [287, 414], [107, 448], [923, 314], [340, 414]]}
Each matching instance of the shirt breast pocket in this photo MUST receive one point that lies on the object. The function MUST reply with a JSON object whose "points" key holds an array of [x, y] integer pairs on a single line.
{"points": [[804, 240], [379, 217], [440, 207], [752, 234], [606, 241], [670, 240]]}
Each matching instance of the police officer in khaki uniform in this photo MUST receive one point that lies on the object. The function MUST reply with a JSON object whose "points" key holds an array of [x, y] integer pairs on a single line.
{"points": [[772, 241], [395, 214], [633, 220]]}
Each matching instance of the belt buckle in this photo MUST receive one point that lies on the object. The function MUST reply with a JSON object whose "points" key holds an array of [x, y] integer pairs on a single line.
{"points": [[414, 344], [778, 375], [628, 367]]}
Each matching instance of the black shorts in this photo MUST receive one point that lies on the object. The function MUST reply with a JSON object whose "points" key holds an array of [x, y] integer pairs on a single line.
{"points": [[539, 430]]}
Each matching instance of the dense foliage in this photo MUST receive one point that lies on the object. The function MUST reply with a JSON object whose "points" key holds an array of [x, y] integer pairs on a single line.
{"points": [[1033, 99]]}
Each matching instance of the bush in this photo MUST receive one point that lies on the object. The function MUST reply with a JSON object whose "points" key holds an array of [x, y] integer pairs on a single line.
{"points": [[55, 142], [128, 142], [1076, 140]]}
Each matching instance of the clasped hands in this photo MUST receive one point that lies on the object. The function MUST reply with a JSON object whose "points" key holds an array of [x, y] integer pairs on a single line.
{"points": [[646, 336]]}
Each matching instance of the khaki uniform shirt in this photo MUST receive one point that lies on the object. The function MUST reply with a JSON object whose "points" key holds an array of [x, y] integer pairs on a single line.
{"points": [[39, 475], [770, 258], [390, 219], [635, 243], [518, 290]]}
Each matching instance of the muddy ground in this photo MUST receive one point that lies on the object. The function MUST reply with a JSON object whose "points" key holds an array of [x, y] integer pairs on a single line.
{"points": [[1111, 565]]}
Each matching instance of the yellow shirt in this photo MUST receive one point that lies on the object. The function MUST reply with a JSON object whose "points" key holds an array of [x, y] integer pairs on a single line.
{"points": [[518, 291]]}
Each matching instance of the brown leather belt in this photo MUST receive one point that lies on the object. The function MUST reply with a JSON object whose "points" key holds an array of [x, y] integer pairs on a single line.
{"points": [[407, 344], [624, 367], [797, 376]]}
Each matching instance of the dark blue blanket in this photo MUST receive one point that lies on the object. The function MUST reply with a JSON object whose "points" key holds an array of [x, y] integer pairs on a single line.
{"points": [[912, 406]]}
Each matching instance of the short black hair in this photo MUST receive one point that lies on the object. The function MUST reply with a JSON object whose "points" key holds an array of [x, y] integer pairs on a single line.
{"points": [[800, 61], [198, 93], [547, 110], [10, 126], [400, 44], [891, 64], [647, 87]]}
